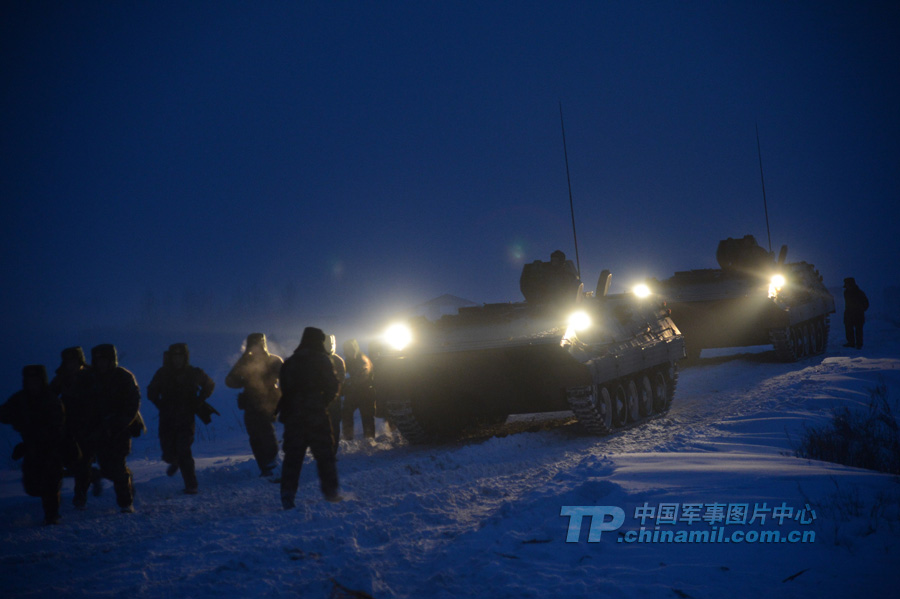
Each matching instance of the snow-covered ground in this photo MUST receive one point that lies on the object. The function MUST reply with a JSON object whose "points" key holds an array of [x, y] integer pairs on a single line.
{"points": [[483, 518]]}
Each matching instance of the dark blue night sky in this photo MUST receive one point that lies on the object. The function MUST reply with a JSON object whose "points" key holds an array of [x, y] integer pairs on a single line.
{"points": [[242, 165]]}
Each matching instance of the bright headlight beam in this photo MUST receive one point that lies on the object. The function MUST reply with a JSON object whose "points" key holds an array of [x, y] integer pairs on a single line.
{"points": [[579, 321], [641, 290], [398, 336], [775, 284]]}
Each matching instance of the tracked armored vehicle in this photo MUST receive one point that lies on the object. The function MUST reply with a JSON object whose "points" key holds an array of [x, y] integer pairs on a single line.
{"points": [[610, 359], [752, 299]]}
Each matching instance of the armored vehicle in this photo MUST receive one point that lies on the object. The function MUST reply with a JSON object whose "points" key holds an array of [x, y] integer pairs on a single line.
{"points": [[752, 299], [610, 359]]}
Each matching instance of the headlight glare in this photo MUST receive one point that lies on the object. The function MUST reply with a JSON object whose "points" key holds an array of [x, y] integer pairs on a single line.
{"points": [[641, 290], [579, 321], [398, 336], [775, 284]]}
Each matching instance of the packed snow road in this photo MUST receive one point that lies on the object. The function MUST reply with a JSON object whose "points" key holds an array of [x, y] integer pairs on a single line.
{"points": [[483, 517]]}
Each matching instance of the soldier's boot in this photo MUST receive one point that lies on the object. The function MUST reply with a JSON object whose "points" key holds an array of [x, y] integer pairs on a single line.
{"points": [[347, 425], [79, 500], [190, 478], [290, 480], [124, 493], [172, 469], [367, 416], [328, 479], [96, 482], [368, 426], [272, 471], [50, 503]]}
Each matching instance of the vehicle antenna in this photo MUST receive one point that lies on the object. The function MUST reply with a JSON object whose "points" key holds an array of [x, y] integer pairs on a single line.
{"points": [[761, 178], [569, 180]]}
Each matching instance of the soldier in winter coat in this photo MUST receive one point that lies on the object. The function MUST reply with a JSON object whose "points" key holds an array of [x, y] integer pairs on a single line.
{"points": [[855, 305], [180, 391], [116, 398], [70, 384], [358, 391], [334, 408], [309, 385], [256, 372], [553, 282], [38, 415]]}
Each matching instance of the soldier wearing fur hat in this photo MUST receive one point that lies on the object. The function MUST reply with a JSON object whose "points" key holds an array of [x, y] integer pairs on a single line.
{"points": [[180, 390], [117, 401], [38, 415], [256, 372], [70, 384], [309, 385]]}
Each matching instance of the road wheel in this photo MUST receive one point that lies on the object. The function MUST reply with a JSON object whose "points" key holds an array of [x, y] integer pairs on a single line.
{"points": [[819, 339], [603, 408], [798, 342], [619, 407], [660, 392], [632, 401], [645, 395]]}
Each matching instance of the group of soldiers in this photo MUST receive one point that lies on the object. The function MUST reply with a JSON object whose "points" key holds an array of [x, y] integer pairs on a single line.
{"points": [[89, 413], [86, 414]]}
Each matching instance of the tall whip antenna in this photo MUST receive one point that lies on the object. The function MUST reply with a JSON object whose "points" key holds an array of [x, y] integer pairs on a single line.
{"points": [[761, 178], [569, 180]]}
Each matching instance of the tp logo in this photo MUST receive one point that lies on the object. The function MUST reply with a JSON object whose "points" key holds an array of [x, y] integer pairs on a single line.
{"points": [[599, 523]]}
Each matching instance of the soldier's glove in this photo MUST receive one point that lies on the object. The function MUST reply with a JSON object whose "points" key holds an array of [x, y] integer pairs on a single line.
{"points": [[205, 412]]}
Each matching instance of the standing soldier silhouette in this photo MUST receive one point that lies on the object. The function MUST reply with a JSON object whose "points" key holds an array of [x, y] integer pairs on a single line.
{"points": [[309, 385], [256, 372], [358, 391], [179, 391], [334, 408], [855, 305]]}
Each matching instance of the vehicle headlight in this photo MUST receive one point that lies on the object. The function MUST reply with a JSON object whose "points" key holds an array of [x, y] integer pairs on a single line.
{"points": [[641, 290], [775, 284], [579, 321], [398, 336]]}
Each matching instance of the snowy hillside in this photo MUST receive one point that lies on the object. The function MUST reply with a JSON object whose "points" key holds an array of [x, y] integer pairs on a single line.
{"points": [[483, 518]]}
